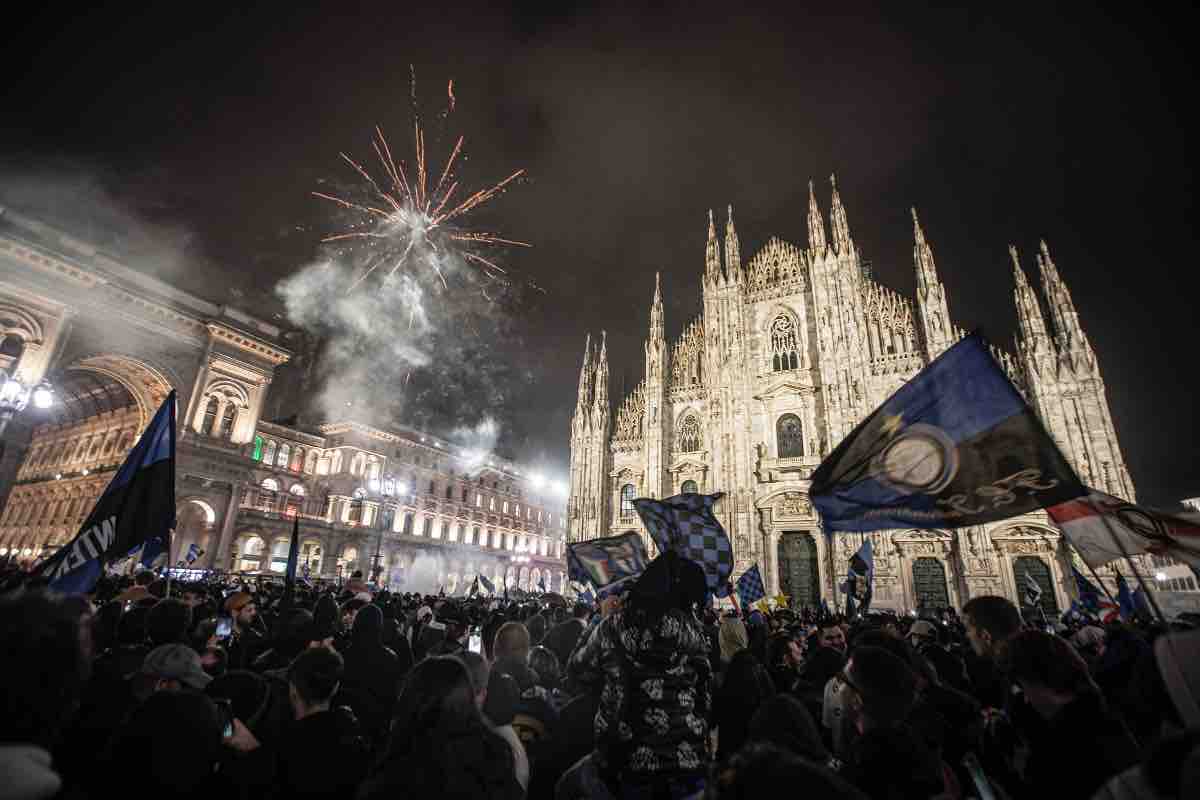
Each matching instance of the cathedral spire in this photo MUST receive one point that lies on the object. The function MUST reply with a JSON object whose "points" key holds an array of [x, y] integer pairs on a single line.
{"points": [[816, 225], [837, 220], [927, 276], [1064, 318], [932, 310], [733, 256], [712, 252], [1029, 311], [656, 310], [601, 381], [585, 374]]}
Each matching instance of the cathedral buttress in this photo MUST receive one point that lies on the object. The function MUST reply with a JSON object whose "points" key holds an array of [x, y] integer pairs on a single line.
{"points": [[933, 315]]}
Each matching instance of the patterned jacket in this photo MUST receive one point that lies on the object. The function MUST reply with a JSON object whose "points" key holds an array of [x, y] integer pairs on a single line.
{"points": [[655, 703]]}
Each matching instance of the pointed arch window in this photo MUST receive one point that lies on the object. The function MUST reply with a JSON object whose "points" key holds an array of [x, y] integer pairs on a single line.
{"points": [[227, 420], [789, 436], [627, 493], [689, 434], [210, 414], [785, 344]]}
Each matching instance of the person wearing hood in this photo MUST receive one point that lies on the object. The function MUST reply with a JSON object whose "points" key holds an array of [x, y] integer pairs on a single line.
{"points": [[651, 732], [292, 635], [733, 638], [372, 671]]}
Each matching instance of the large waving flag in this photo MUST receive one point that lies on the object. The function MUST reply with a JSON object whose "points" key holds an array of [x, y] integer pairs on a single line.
{"points": [[954, 446], [750, 587], [686, 524], [487, 584], [1104, 528], [860, 577], [137, 507], [607, 563]]}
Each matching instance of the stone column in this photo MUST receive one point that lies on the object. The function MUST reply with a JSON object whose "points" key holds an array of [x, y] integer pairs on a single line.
{"points": [[219, 555]]}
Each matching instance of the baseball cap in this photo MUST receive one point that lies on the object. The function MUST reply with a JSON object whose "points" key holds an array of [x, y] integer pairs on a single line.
{"points": [[178, 662]]}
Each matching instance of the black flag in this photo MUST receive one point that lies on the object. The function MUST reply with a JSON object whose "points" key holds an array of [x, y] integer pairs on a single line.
{"points": [[289, 578], [137, 506]]}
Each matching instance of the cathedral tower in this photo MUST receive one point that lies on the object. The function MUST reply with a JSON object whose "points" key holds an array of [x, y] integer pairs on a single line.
{"points": [[933, 316], [656, 421]]}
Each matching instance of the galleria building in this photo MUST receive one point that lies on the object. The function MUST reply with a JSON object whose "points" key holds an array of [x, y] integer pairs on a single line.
{"points": [[792, 349], [113, 342]]}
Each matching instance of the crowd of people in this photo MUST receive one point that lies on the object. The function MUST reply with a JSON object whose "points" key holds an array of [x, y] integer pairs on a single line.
{"points": [[239, 689]]}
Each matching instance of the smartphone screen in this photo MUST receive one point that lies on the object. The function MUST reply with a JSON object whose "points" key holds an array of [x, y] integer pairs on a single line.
{"points": [[475, 644], [225, 712], [224, 627]]}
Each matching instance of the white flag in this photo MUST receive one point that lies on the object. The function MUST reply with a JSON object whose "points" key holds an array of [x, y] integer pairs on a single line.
{"points": [[1100, 526]]}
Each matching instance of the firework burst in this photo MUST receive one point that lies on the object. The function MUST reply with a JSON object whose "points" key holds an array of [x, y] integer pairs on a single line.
{"points": [[406, 222]]}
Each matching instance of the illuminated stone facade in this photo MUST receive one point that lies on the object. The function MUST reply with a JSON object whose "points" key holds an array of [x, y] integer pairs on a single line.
{"points": [[114, 341], [791, 350]]}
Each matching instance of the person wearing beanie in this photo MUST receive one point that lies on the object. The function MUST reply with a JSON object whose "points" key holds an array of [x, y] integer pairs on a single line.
{"points": [[246, 641], [784, 722], [651, 656]]}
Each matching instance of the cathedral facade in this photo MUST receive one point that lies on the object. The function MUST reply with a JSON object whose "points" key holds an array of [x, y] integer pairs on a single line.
{"points": [[792, 349]]}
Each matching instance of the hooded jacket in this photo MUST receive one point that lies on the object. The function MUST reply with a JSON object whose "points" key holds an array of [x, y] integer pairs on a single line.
{"points": [[372, 669]]}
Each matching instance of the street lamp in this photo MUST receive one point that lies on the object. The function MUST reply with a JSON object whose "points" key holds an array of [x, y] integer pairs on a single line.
{"points": [[15, 395], [387, 489]]}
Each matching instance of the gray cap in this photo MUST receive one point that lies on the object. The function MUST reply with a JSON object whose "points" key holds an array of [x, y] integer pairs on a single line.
{"points": [[177, 662]]}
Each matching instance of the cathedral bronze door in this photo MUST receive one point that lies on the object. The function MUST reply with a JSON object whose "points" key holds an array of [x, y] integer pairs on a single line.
{"points": [[799, 577], [929, 584]]}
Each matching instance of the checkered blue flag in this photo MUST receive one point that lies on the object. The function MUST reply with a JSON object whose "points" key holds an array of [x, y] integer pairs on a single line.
{"points": [[750, 587], [686, 524]]}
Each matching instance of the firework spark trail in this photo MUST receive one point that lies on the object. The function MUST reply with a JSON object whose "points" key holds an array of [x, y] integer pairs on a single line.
{"points": [[408, 220]]}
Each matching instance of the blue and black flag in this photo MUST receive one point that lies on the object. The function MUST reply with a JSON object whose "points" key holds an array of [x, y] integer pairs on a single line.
{"points": [[955, 446], [137, 507]]}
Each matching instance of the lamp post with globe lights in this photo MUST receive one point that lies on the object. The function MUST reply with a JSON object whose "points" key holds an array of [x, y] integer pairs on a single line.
{"points": [[386, 489], [15, 395]]}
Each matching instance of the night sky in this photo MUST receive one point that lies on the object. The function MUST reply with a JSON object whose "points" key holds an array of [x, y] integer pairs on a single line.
{"points": [[210, 128]]}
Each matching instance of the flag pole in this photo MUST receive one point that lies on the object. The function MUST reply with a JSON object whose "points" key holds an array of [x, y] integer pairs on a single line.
{"points": [[1132, 566], [1092, 570]]}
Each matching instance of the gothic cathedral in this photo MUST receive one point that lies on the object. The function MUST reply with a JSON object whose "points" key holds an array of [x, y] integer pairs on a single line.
{"points": [[794, 348]]}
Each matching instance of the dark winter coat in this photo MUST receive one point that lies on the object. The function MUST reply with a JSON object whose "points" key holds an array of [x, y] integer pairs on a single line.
{"points": [[1084, 745], [323, 755]]}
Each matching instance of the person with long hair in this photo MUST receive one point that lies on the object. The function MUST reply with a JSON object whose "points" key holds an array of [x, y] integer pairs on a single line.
{"points": [[441, 746]]}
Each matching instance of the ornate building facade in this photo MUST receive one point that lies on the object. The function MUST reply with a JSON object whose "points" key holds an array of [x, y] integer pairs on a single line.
{"points": [[114, 342], [792, 349]]}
